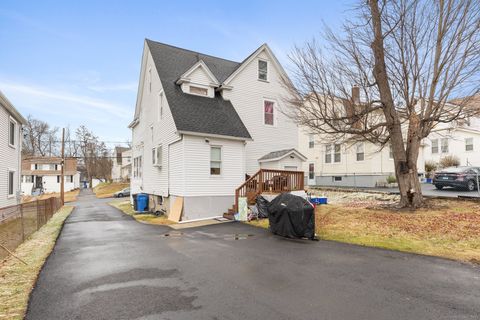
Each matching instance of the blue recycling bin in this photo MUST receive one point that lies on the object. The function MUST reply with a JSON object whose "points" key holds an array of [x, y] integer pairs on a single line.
{"points": [[319, 200], [142, 202]]}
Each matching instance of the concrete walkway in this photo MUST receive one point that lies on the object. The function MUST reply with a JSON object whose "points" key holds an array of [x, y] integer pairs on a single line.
{"points": [[108, 266]]}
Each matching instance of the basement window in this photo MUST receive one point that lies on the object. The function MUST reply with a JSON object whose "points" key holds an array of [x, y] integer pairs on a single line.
{"points": [[198, 91], [337, 179]]}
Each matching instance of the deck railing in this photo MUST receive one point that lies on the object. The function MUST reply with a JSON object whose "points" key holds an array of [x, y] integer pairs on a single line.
{"points": [[269, 181]]}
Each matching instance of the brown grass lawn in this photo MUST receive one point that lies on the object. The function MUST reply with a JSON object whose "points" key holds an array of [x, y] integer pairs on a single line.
{"points": [[70, 196], [18, 279], [445, 228], [126, 207], [106, 190]]}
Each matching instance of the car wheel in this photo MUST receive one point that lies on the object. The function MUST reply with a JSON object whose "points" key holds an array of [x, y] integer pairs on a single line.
{"points": [[120, 195], [471, 185], [439, 187]]}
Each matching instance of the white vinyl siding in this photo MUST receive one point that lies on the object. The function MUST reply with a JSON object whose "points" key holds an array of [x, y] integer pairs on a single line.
{"points": [[12, 132], [247, 97], [197, 166], [269, 112], [155, 128], [10, 157]]}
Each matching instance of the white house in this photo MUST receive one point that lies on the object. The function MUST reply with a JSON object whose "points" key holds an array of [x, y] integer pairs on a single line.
{"points": [[119, 161], [203, 123], [11, 122], [44, 174], [364, 164]]}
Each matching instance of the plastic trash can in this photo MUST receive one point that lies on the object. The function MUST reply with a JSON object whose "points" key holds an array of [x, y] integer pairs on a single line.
{"points": [[142, 202]]}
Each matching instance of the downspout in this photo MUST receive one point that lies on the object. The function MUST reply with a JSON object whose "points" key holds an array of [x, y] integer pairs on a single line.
{"points": [[180, 138]]}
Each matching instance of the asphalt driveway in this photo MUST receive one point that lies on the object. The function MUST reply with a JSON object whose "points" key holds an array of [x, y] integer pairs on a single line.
{"points": [[108, 266]]}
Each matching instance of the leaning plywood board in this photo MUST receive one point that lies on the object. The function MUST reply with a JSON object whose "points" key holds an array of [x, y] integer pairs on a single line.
{"points": [[177, 208]]}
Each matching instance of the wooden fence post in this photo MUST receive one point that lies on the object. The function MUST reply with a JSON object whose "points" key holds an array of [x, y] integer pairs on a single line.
{"points": [[23, 222]]}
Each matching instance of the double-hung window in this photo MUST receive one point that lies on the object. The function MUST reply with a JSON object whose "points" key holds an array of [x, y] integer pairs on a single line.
{"points": [[360, 151], [11, 132], [311, 171], [262, 70], [311, 141], [11, 177], [469, 144], [157, 156], [268, 112], [328, 153], [337, 153], [215, 160], [444, 145], [435, 146]]}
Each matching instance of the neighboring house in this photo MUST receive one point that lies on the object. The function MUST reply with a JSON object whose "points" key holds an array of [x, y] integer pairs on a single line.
{"points": [[11, 122], [364, 164], [203, 123], [43, 174], [118, 161], [126, 169]]}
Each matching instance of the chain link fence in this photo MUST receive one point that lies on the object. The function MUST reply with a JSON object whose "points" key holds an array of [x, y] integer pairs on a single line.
{"points": [[18, 222]]}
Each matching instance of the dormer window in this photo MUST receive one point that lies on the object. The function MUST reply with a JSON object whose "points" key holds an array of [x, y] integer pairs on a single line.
{"points": [[199, 91], [262, 70]]}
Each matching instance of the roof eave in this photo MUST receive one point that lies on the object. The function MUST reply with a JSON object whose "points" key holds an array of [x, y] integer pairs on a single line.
{"points": [[212, 135]]}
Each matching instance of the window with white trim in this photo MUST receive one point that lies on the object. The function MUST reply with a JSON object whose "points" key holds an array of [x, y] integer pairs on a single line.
{"points": [[269, 112], [390, 152], [360, 150], [215, 160], [328, 153], [469, 144], [444, 145], [150, 80], [137, 167], [435, 146], [157, 156], [262, 70], [337, 150], [11, 182], [311, 141], [160, 106], [311, 171], [11, 132], [198, 91]]}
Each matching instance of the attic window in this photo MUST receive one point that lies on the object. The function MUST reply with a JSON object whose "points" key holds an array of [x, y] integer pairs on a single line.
{"points": [[262, 70], [199, 91]]}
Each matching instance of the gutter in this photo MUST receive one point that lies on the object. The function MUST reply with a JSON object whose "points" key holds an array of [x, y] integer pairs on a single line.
{"points": [[212, 135]]}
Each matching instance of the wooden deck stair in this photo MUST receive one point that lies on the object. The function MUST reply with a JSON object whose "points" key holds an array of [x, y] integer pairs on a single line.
{"points": [[266, 181]]}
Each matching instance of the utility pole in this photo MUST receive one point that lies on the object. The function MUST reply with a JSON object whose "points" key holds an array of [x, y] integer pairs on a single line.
{"points": [[62, 180]]}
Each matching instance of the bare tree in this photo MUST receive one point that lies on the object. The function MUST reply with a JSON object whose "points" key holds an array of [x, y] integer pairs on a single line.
{"points": [[39, 138], [94, 155], [408, 59]]}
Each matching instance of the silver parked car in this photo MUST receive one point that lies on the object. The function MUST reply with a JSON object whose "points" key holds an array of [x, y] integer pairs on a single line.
{"points": [[122, 193]]}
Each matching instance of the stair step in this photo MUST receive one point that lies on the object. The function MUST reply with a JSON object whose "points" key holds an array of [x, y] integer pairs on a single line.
{"points": [[229, 216]]}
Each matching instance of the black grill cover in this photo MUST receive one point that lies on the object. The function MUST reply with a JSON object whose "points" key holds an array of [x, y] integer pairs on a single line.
{"points": [[292, 217]]}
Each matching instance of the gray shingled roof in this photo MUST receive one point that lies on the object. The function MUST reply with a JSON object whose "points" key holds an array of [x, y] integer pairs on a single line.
{"points": [[279, 154], [195, 113]]}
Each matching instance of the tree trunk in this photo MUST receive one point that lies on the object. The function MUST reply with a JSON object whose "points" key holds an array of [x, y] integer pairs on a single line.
{"points": [[405, 158]]}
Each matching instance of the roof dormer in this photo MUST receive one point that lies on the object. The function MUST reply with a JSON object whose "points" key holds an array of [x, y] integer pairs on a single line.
{"points": [[199, 80]]}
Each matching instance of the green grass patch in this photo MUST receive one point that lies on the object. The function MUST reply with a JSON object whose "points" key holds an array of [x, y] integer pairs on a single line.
{"points": [[127, 208], [17, 279]]}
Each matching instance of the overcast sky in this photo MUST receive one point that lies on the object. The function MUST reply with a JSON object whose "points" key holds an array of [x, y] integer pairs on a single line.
{"points": [[78, 62]]}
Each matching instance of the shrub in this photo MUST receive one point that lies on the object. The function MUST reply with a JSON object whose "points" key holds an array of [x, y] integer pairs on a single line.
{"points": [[430, 166], [391, 179], [449, 161]]}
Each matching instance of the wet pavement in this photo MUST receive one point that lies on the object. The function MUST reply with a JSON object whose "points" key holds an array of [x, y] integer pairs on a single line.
{"points": [[106, 265]]}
